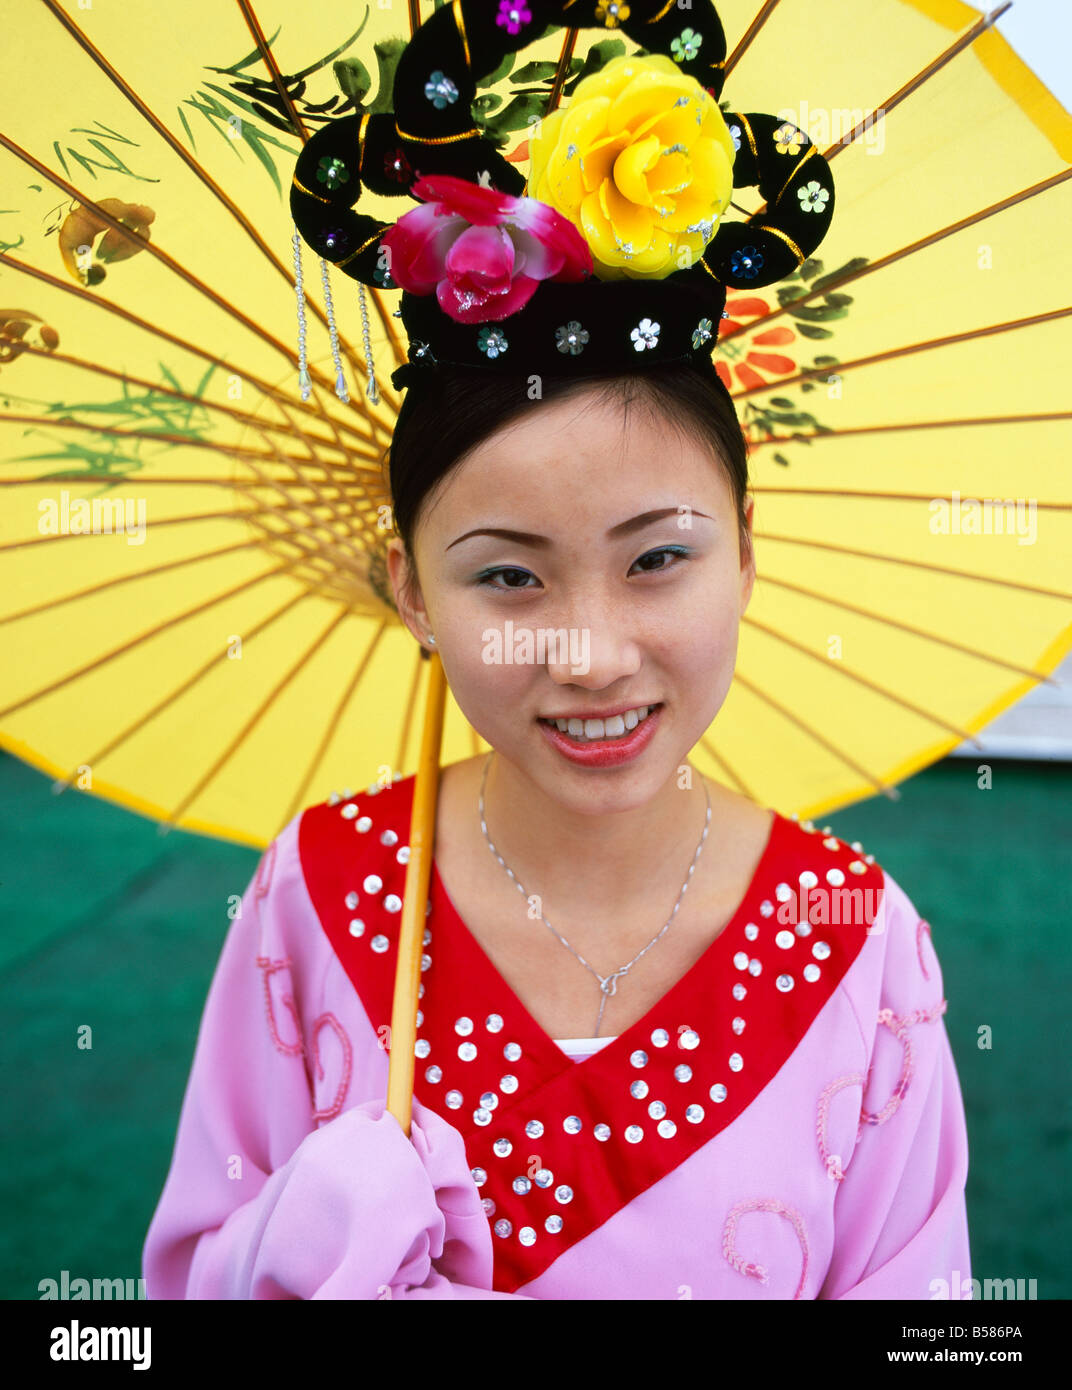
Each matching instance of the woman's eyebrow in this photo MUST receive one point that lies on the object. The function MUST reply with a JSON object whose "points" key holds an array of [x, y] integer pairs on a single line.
{"points": [[624, 528]]}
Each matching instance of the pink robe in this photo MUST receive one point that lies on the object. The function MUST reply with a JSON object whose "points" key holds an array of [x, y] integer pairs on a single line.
{"points": [[786, 1122]]}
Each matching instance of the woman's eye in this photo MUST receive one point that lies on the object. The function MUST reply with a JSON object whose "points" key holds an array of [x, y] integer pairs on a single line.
{"points": [[510, 574], [489, 575], [679, 552]]}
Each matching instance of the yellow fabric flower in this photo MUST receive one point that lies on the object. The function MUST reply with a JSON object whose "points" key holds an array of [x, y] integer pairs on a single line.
{"points": [[641, 162]]}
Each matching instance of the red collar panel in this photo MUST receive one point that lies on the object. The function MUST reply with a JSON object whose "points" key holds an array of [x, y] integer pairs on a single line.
{"points": [[556, 1146]]}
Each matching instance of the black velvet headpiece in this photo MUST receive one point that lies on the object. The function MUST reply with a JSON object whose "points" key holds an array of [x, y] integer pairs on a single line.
{"points": [[588, 323]]}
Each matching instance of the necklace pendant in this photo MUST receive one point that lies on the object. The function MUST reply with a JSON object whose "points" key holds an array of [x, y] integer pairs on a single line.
{"points": [[609, 983]]}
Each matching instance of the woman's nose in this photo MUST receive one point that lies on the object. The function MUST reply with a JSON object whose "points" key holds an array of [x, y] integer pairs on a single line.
{"points": [[593, 655]]}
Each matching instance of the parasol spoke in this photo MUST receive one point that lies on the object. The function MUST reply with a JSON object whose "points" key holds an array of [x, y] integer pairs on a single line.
{"points": [[947, 642], [187, 685], [331, 724], [94, 589], [862, 495], [257, 715], [1043, 417], [268, 59], [745, 42], [729, 771], [407, 715], [813, 733], [830, 285], [950, 340], [237, 451], [841, 669], [153, 631], [125, 378], [143, 109], [158, 253], [913, 85], [917, 564], [274, 393]]}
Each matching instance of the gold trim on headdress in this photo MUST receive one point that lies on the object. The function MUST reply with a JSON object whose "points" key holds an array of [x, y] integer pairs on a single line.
{"points": [[803, 158], [776, 231]]}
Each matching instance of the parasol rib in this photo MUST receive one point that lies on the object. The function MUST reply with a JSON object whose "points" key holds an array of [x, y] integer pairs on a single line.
{"points": [[124, 647], [169, 263], [915, 564], [883, 262], [879, 785], [407, 717], [355, 359], [909, 350], [730, 772], [257, 715], [749, 34], [94, 589], [1043, 417], [266, 389], [168, 700], [912, 631], [242, 417], [298, 801], [841, 669], [237, 451], [913, 85]]}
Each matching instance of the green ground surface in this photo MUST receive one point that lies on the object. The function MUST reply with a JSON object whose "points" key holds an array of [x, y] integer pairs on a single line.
{"points": [[107, 923]]}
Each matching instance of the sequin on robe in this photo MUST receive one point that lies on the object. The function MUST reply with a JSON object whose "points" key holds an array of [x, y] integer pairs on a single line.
{"points": [[785, 1123]]}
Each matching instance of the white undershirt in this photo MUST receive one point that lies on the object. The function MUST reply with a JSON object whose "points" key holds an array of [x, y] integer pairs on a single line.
{"points": [[580, 1048]]}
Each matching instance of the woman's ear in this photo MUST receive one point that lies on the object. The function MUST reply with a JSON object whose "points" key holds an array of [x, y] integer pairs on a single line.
{"points": [[748, 555], [409, 601]]}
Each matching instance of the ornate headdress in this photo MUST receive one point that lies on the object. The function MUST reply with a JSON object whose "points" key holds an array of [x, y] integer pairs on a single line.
{"points": [[613, 255]]}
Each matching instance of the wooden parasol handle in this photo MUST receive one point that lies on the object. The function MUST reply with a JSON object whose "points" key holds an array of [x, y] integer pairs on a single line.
{"points": [[403, 1035]]}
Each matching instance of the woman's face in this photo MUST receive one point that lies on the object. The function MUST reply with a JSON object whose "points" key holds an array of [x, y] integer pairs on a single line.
{"points": [[647, 608]]}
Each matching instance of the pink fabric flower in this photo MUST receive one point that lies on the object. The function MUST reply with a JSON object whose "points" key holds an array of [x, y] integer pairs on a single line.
{"points": [[482, 252]]}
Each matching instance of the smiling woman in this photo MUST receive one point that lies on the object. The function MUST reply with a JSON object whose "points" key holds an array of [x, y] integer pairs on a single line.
{"points": [[653, 1077]]}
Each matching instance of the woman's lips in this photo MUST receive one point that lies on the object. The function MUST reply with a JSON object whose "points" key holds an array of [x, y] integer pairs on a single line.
{"points": [[604, 752]]}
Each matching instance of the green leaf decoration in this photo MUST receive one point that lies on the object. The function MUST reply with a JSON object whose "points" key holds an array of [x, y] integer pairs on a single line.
{"points": [[820, 313], [849, 268], [503, 70], [521, 112], [388, 52], [354, 79], [541, 72], [810, 330]]}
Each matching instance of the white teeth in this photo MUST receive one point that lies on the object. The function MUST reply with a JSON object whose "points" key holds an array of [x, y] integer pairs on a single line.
{"points": [[614, 727]]}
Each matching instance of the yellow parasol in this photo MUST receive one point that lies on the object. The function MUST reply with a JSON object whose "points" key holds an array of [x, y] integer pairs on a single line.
{"points": [[194, 610]]}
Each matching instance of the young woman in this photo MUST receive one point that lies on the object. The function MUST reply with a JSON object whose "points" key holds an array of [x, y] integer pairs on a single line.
{"points": [[672, 1044], [672, 1065]]}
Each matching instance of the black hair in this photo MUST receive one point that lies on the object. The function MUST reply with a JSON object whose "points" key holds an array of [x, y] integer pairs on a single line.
{"points": [[451, 410]]}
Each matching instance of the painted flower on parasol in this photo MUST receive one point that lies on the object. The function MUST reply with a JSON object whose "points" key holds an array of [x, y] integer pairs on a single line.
{"points": [[481, 252]]}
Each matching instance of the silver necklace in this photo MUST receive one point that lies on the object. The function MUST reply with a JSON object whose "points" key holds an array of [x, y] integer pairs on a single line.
{"points": [[608, 984]]}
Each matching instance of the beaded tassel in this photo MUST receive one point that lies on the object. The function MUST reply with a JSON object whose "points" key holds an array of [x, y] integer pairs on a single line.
{"points": [[303, 366], [304, 380], [340, 380], [366, 339]]}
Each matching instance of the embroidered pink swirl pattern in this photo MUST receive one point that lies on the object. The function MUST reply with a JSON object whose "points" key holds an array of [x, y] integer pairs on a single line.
{"points": [[758, 1271], [347, 1063]]}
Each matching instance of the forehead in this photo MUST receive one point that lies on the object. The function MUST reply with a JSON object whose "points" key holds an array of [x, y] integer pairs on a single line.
{"points": [[582, 460]]}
